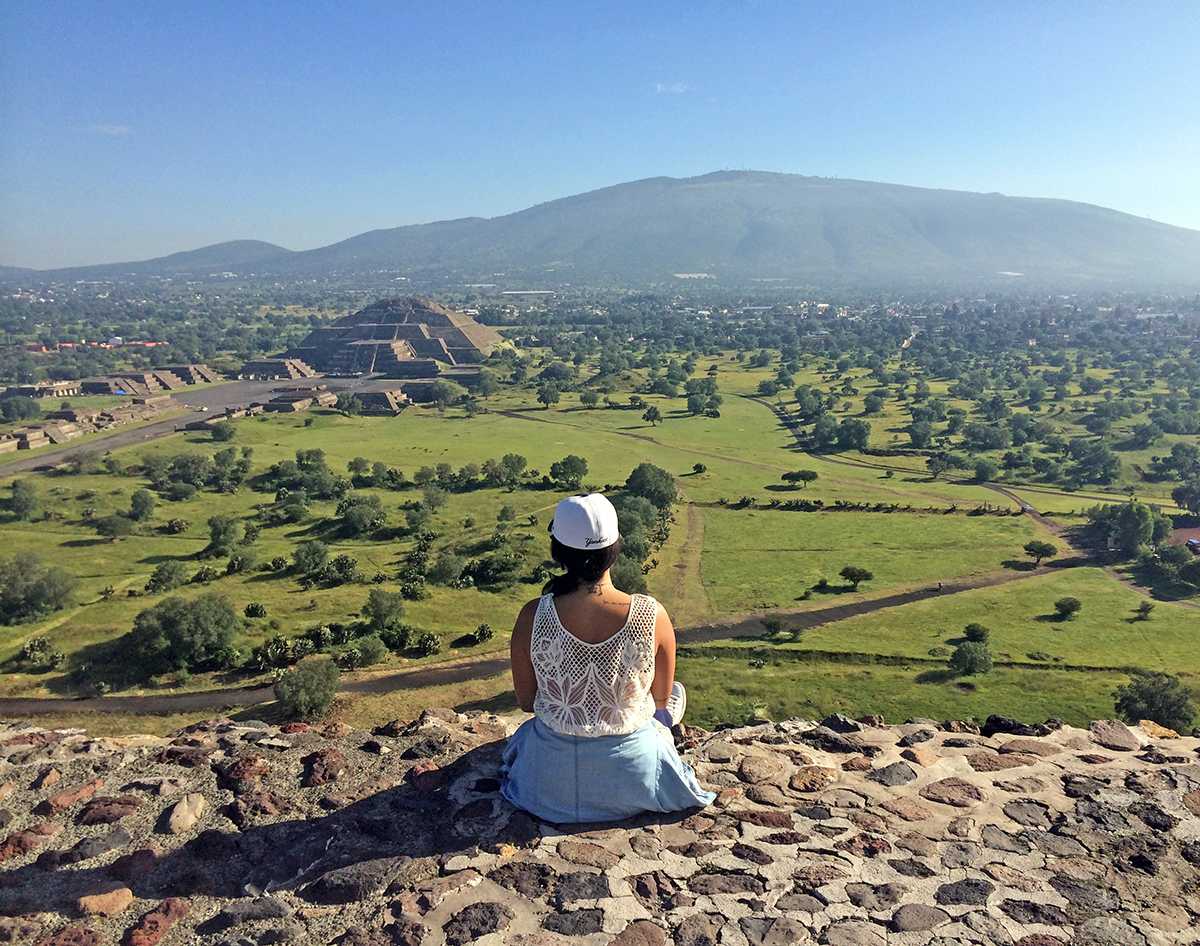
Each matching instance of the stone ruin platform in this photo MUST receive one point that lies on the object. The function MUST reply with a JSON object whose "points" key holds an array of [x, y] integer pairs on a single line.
{"points": [[846, 833]]}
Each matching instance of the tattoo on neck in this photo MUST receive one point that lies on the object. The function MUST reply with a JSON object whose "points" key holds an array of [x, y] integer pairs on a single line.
{"points": [[595, 589]]}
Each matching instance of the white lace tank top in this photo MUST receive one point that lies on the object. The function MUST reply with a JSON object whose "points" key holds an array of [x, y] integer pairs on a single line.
{"points": [[594, 689]]}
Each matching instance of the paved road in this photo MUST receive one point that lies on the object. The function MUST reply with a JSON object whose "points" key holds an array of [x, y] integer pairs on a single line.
{"points": [[217, 398]]}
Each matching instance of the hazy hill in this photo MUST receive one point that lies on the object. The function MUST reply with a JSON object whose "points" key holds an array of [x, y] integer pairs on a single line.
{"points": [[740, 225]]}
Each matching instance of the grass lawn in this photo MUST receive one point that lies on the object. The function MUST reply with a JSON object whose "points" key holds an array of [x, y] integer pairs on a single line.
{"points": [[755, 559], [729, 690]]}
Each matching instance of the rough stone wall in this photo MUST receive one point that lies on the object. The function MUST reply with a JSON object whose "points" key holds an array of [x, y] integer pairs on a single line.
{"points": [[839, 833]]}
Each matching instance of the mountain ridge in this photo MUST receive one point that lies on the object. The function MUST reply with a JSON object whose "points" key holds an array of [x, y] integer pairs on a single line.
{"points": [[746, 225]]}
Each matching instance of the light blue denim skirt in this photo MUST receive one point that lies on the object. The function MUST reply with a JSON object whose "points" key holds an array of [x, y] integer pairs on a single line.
{"points": [[576, 779]]}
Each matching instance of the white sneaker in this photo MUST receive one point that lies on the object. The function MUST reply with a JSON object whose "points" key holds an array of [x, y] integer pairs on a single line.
{"points": [[677, 703]]}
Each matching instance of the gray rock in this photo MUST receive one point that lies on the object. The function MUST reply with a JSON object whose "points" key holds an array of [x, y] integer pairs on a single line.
{"points": [[575, 923], [282, 933], [1083, 894], [476, 920], [355, 882], [529, 880], [911, 867], [1107, 931], [1029, 911], [1030, 813], [709, 884], [1153, 816], [991, 929], [1055, 844], [581, 886], [999, 840], [699, 929], [853, 933], [768, 931], [247, 911], [894, 775], [802, 902], [971, 892], [1081, 786], [94, 847], [1114, 734], [839, 723], [916, 738], [960, 854], [875, 897], [913, 917], [828, 741]]}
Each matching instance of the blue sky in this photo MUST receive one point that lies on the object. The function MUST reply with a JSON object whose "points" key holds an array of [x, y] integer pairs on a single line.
{"points": [[132, 130]]}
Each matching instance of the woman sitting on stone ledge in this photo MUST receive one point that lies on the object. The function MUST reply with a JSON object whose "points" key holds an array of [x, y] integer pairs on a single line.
{"points": [[597, 667]]}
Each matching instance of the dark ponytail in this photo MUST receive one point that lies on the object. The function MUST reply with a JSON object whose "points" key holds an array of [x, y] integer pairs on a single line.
{"points": [[584, 567]]}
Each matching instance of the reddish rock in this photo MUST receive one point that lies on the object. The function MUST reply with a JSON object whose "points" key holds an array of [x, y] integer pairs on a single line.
{"points": [[1029, 747], [426, 776], [1038, 939], [906, 809], [136, 865], [812, 778], [49, 778], [290, 729], [324, 766], [1191, 801], [157, 923], [1114, 734], [106, 810], [857, 764], [755, 769], [337, 730], [953, 791], [640, 933], [25, 841], [765, 819], [249, 768], [186, 756], [813, 876], [1093, 758], [35, 739], [109, 903], [864, 845], [923, 757], [61, 801], [7, 789], [994, 762], [71, 936], [257, 805]]}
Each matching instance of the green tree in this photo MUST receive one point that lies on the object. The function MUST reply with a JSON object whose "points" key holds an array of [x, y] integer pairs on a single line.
{"points": [[569, 471], [977, 633], [971, 658], [855, 575], [182, 634], [1038, 550], [937, 465], [113, 527], [371, 650], [383, 609], [19, 408], [872, 404], [1067, 608], [1142, 611], [141, 505], [1187, 495], [24, 499], [653, 483], [28, 588], [310, 556], [800, 476], [548, 395], [1157, 696], [362, 513], [853, 434], [223, 535], [167, 576], [223, 431], [308, 689], [589, 399], [699, 468], [985, 470], [653, 415], [358, 467]]}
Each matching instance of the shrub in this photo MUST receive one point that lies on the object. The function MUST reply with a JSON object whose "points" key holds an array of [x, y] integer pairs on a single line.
{"points": [[383, 609], [482, 633], [205, 574], [398, 637], [167, 576], [971, 658], [977, 633], [176, 526], [1067, 608], [428, 644], [1157, 696], [371, 650], [309, 688], [447, 567], [182, 634], [255, 610], [28, 589]]}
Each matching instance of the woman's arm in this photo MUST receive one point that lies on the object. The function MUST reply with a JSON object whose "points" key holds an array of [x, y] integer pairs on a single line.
{"points": [[524, 678], [664, 658]]}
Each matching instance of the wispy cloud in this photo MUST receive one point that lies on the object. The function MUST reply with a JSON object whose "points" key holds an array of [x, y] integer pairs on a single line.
{"points": [[672, 88], [113, 131]]}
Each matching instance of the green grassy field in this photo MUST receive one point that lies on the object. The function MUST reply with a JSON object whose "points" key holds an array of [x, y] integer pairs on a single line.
{"points": [[720, 561]]}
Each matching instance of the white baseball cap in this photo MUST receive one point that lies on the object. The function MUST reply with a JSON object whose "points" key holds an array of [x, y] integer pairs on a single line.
{"points": [[585, 522]]}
